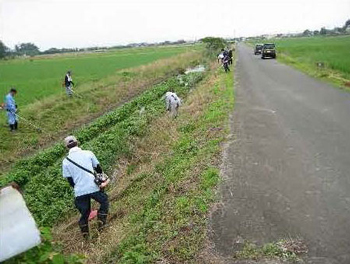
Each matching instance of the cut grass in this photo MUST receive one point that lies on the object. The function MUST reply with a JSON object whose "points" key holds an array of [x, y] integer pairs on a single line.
{"points": [[285, 250], [57, 115], [46, 192], [48, 195], [160, 203]]}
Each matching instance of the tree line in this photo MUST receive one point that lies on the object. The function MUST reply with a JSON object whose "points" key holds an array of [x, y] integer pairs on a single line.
{"points": [[30, 49], [345, 29]]}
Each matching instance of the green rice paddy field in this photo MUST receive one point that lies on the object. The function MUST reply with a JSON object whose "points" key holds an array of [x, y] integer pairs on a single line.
{"points": [[39, 77], [304, 53]]}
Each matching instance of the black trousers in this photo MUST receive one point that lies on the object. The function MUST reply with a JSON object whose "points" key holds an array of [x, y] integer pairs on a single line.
{"points": [[83, 204], [14, 126]]}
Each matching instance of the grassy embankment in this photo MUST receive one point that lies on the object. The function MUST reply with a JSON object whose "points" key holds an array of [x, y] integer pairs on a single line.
{"points": [[160, 202], [305, 53], [167, 174], [57, 115]]}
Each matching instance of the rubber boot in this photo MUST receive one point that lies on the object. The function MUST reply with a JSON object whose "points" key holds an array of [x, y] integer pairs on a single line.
{"points": [[85, 231], [12, 128], [101, 221], [15, 126]]}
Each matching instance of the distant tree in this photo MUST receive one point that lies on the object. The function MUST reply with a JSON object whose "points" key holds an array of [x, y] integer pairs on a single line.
{"points": [[3, 50], [339, 30], [213, 45], [323, 31], [316, 32], [181, 41], [347, 23], [27, 49], [307, 33], [346, 26]]}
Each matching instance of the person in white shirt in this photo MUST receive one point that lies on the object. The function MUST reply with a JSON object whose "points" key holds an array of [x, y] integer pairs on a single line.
{"points": [[68, 83], [220, 57], [78, 168], [173, 102]]}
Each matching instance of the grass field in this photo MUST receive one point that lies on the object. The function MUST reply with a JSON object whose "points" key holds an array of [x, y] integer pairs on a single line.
{"points": [[38, 77], [58, 115], [305, 53]]}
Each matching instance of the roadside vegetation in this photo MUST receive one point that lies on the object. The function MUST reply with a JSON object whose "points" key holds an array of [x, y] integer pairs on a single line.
{"points": [[326, 58], [161, 199], [286, 250], [57, 114], [164, 175]]}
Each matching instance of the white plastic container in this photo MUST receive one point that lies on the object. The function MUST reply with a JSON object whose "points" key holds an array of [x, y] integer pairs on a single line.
{"points": [[18, 230]]}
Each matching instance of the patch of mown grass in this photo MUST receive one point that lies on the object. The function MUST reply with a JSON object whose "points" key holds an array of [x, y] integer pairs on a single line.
{"points": [[285, 250], [169, 220]]}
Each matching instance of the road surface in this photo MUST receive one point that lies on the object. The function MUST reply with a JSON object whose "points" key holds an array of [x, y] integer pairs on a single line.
{"points": [[286, 168]]}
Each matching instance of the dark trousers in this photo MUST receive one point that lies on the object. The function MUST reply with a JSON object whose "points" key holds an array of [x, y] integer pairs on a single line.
{"points": [[83, 204], [14, 126]]}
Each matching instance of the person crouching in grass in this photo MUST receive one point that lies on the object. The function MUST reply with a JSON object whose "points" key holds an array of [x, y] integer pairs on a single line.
{"points": [[173, 102]]}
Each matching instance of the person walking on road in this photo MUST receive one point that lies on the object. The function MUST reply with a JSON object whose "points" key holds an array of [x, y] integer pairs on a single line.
{"points": [[78, 168], [11, 109], [68, 83]]}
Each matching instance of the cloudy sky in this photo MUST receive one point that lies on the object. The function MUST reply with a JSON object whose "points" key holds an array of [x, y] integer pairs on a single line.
{"points": [[82, 23]]}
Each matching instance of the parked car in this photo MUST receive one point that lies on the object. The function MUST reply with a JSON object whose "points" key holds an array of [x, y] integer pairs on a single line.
{"points": [[268, 50], [258, 48]]}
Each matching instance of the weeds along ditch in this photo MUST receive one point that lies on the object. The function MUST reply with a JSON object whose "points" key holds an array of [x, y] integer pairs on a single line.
{"points": [[47, 194], [166, 209]]}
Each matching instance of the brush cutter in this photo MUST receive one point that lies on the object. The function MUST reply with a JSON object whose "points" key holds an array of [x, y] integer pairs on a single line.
{"points": [[77, 95], [29, 123]]}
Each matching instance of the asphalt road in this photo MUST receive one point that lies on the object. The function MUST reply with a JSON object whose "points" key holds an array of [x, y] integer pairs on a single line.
{"points": [[286, 168]]}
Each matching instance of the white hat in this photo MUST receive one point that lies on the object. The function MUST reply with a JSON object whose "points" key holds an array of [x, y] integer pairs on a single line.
{"points": [[69, 140]]}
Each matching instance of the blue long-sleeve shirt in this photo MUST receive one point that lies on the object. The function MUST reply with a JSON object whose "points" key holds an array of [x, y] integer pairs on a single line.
{"points": [[10, 103]]}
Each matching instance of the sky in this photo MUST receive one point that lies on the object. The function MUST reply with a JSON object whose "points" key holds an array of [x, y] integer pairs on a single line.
{"points": [[84, 23]]}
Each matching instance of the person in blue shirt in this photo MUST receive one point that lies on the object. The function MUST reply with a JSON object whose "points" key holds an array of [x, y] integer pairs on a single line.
{"points": [[11, 109], [78, 169]]}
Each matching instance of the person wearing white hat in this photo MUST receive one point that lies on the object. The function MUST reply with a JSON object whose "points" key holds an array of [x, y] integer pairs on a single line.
{"points": [[80, 168]]}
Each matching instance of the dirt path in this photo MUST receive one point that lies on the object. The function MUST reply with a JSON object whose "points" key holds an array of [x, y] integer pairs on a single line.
{"points": [[287, 167]]}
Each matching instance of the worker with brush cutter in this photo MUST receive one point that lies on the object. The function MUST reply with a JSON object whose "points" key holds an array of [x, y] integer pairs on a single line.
{"points": [[84, 173], [11, 109], [68, 83]]}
